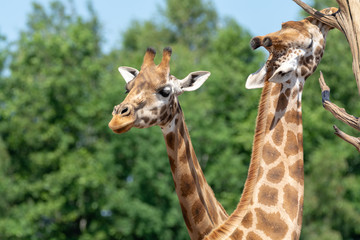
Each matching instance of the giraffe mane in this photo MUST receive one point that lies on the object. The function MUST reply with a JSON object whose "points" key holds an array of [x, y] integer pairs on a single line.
{"points": [[230, 225]]}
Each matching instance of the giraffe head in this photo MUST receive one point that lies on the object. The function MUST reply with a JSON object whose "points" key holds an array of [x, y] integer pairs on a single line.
{"points": [[294, 51], [152, 93]]}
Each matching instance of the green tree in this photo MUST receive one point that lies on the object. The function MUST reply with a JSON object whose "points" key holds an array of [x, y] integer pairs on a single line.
{"points": [[50, 120], [192, 22]]}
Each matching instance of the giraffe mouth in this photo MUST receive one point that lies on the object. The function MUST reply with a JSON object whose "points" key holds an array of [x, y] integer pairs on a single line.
{"points": [[120, 125], [122, 129]]}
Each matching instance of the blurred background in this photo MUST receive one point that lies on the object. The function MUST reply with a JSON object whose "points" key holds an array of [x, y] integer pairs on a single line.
{"points": [[65, 175]]}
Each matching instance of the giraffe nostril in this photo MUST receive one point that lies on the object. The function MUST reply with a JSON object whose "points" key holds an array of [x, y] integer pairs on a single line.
{"points": [[267, 42], [255, 43]]}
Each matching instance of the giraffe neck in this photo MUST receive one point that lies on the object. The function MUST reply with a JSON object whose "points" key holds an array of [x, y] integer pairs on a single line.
{"points": [[277, 196], [200, 209], [272, 200]]}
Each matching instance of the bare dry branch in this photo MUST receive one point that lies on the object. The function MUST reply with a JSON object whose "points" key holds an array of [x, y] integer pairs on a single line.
{"points": [[347, 20], [350, 139], [338, 112], [327, 19]]}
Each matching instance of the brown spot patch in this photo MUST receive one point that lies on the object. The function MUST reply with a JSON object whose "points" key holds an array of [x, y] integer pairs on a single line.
{"points": [[186, 217], [197, 211], [292, 116], [268, 195], [238, 234], [296, 171], [291, 201], [271, 224], [269, 153], [282, 102], [295, 93], [276, 174], [170, 140], [163, 117], [187, 185], [154, 110], [169, 118], [309, 59], [163, 109], [247, 220], [145, 119], [172, 164], [301, 87], [278, 134], [288, 91], [253, 236], [182, 129], [318, 50], [276, 89], [291, 146], [304, 71], [153, 121]]}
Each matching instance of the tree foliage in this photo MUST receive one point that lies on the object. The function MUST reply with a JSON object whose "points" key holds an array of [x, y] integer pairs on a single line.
{"points": [[65, 175]]}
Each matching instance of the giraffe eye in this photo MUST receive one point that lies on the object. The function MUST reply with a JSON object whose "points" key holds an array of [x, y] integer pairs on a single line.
{"points": [[165, 92]]}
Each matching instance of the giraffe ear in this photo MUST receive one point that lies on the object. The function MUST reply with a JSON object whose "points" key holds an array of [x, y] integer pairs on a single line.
{"points": [[284, 72], [128, 73], [193, 81], [256, 80]]}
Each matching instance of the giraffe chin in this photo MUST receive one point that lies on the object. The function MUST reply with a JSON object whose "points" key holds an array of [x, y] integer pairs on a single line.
{"points": [[122, 129], [119, 128]]}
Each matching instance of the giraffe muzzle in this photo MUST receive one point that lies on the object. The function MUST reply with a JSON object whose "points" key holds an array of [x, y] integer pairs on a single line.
{"points": [[123, 119], [257, 42]]}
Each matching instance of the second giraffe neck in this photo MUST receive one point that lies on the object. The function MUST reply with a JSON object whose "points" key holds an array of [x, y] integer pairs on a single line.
{"points": [[272, 199], [201, 211]]}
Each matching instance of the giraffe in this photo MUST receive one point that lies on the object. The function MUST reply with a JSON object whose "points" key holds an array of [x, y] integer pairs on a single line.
{"points": [[153, 100], [271, 205]]}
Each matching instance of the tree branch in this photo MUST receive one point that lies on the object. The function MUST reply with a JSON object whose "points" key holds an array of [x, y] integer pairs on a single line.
{"points": [[350, 139], [339, 113], [327, 19]]}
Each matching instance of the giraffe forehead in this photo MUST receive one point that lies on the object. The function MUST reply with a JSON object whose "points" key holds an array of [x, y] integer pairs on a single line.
{"points": [[149, 80], [292, 30], [291, 35]]}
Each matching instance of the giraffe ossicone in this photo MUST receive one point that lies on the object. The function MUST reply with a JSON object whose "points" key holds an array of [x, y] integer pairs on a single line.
{"points": [[152, 100]]}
